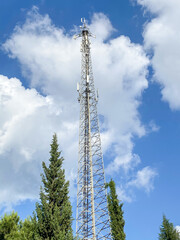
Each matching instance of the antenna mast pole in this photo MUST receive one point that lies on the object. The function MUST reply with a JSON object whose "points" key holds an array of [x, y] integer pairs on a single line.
{"points": [[92, 218]]}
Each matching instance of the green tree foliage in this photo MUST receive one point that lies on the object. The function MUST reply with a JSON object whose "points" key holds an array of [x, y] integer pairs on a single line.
{"points": [[9, 227], [167, 231], [54, 212], [116, 213], [28, 230]]}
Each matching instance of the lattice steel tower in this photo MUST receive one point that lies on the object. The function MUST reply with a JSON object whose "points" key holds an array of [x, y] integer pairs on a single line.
{"points": [[92, 218]]}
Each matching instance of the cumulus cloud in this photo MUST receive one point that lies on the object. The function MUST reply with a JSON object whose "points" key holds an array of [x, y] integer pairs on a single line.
{"points": [[162, 35], [144, 179], [27, 123], [50, 60], [123, 195], [178, 228]]}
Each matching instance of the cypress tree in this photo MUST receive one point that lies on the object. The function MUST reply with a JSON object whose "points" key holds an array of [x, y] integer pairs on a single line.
{"points": [[116, 213], [167, 231], [54, 212]]}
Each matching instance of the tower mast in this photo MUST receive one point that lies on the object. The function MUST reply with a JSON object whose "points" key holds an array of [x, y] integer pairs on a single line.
{"points": [[92, 218]]}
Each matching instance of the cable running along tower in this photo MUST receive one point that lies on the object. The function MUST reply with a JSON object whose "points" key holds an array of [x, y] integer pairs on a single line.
{"points": [[92, 218]]}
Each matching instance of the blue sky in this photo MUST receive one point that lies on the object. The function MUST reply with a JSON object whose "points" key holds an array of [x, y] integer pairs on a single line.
{"points": [[136, 68]]}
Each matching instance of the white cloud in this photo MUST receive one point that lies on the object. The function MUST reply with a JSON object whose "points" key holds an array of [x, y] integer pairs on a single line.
{"points": [[48, 56], [162, 35], [178, 228], [154, 6], [50, 60], [101, 26], [28, 121], [144, 179], [153, 127], [123, 196], [126, 160]]}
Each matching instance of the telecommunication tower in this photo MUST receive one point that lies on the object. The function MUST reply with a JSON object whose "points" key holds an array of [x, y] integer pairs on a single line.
{"points": [[92, 218]]}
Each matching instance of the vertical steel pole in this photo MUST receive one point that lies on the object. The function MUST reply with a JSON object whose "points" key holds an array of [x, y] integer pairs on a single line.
{"points": [[92, 219]]}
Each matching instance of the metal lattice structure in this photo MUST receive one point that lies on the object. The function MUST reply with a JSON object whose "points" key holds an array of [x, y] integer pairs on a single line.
{"points": [[92, 219]]}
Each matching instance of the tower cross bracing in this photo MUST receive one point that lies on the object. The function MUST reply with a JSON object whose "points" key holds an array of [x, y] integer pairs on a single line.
{"points": [[92, 218]]}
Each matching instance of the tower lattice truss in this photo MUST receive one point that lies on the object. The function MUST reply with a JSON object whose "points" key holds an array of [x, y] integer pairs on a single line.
{"points": [[92, 219]]}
